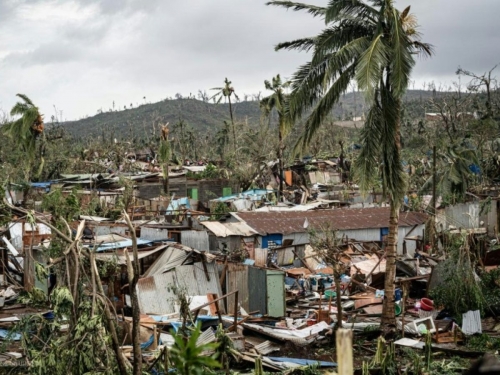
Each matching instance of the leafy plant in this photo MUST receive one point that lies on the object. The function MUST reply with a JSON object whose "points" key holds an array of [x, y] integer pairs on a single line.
{"points": [[459, 291], [188, 358]]}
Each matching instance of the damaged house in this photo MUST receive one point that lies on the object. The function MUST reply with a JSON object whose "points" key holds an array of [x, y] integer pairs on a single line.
{"points": [[267, 230]]}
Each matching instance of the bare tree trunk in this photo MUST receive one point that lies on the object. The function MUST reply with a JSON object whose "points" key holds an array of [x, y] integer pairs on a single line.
{"points": [[232, 123], [280, 165], [133, 278], [388, 314], [120, 358], [338, 289], [166, 188]]}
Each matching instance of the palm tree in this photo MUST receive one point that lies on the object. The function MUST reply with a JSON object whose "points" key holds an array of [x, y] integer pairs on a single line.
{"points": [[277, 101], [374, 44], [26, 129], [227, 92], [454, 173]]}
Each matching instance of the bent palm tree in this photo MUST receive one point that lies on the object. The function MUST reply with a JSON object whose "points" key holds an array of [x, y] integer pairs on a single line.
{"points": [[277, 101], [27, 127], [375, 44]]}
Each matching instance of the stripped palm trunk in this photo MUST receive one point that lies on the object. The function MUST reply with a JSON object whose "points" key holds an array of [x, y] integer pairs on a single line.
{"points": [[280, 162], [388, 315], [388, 312]]}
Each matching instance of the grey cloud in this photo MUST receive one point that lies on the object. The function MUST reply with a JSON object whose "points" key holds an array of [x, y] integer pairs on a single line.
{"points": [[51, 53], [154, 48]]}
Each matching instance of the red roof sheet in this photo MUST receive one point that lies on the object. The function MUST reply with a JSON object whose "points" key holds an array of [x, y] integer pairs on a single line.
{"points": [[339, 219]]}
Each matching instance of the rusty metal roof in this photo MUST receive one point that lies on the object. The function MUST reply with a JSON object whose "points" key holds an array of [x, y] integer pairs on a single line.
{"points": [[339, 219]]}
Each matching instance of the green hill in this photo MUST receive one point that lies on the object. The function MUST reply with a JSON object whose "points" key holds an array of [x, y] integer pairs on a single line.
{"points": [[203, 116]]}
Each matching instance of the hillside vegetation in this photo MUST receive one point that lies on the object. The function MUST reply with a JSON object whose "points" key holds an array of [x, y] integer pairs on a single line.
{"points": [[205, 116]]}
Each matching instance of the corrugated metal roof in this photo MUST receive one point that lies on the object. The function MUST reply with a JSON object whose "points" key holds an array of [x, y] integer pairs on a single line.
{"points": [[340, 219], [173, 256], [119, 255], [229, 229]]}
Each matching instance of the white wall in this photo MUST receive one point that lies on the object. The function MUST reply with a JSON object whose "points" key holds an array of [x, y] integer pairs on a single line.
{"points": [[361, 235]]}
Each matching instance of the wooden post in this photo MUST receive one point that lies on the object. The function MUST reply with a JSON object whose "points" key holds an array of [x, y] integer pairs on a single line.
{"points": [[344, 352], [235, 326]]}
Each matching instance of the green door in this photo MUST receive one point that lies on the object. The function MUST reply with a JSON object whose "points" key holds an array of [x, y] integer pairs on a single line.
{"points": [[275, 293]]}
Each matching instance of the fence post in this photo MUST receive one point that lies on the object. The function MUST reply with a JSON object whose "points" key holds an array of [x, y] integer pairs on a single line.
{"points": [[344, 352]]}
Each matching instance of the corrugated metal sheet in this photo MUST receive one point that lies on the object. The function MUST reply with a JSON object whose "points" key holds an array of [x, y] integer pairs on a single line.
{"points": [[229, 229], [266, 347], [257, 290], [154, 234], [237, 279], [196, 239], [120, 258], [100, 230], [471, 322], [192, 278], [285, 256], [155, 294], [464, 215], [173, 256], [340, 219], [206, 337]]}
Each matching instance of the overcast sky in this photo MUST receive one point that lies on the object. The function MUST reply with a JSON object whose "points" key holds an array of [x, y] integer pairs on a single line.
{"points": [[82, 55]]}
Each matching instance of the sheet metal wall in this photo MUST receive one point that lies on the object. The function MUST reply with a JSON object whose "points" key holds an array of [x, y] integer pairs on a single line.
{"points": [[275, 290], [298, 238], [100, 230], [154, 234], [257, 290], [156, 295], [237, 279], [196, 239]]}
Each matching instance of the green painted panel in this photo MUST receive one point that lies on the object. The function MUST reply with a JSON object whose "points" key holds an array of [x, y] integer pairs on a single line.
{"points": [[226, 191], [193, 193], [275, 293]]}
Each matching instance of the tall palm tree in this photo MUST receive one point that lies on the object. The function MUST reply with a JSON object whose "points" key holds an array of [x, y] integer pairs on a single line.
{"points": [[227, 92], [374, 44], [277, 102], [26, 129]]}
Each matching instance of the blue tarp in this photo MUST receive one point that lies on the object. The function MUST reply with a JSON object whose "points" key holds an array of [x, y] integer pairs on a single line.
{"points": [[303, 362], [121, 244], [176, 204], [42, 185], [5, 334], [254, 194]]}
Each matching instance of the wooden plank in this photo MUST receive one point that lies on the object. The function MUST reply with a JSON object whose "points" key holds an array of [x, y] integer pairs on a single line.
{"points": [[367, 302], [373, 310]]}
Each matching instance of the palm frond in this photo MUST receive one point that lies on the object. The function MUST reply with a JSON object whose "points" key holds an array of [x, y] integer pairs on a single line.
{"points": [[316, 11], [402, 60], [393, 176], [371, 64], [340, 9], [368, 160], [26, 99], [324, 106], [304, 44]]}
